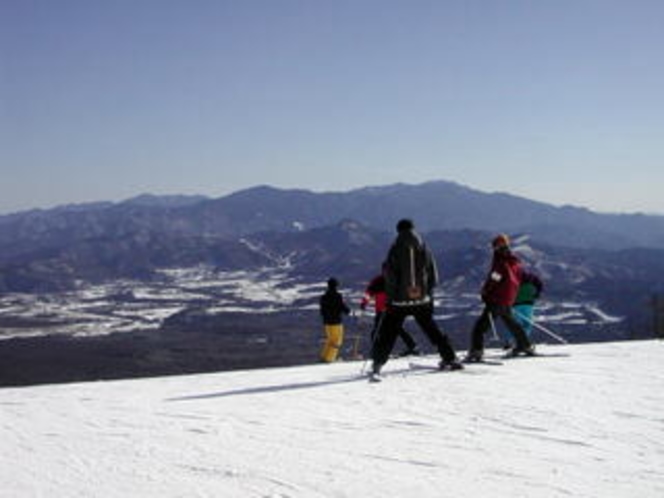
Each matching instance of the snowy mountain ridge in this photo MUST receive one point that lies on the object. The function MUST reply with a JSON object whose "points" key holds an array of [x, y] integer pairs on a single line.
{"points": [[436, 205], [584, 421], [157, 286]]}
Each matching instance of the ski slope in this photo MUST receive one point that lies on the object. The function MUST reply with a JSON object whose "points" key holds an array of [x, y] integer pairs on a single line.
{"points": [[586, 421]]}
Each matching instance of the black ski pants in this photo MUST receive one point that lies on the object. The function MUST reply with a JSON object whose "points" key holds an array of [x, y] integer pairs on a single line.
{"points": [[392, 323], [403, 334], [483, 323]]}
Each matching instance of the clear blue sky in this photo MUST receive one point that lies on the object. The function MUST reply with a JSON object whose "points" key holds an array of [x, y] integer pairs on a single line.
{"points": [[560, 101]]}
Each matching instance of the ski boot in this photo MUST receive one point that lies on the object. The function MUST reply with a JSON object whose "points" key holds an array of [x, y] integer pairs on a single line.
{"points": [[450, 366], [474, 356], [527, 351], [374, 375]]}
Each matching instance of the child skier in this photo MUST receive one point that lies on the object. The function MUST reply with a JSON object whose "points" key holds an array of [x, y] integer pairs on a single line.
{"points": [[375, 292], [332, 308]]}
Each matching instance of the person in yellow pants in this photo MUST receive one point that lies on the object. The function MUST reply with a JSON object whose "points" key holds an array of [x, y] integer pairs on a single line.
{"points": [[332, 309]]}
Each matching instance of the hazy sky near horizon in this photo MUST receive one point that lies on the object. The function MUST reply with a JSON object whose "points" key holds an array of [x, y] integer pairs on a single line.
{"points": [[559, 101]]}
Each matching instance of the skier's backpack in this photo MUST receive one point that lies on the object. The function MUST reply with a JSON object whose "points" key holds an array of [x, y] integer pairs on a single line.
{"points": [[414, 271], [414, 288]]}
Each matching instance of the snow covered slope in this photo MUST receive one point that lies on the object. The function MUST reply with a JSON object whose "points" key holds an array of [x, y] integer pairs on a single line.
{"points": [[586, 421]]}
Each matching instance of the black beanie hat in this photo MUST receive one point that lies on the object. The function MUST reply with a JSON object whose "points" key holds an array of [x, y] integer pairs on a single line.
{"points": [[404, 225]]}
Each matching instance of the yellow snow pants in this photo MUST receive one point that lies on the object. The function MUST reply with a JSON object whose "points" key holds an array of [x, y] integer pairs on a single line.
{"points": [[334, 336]]}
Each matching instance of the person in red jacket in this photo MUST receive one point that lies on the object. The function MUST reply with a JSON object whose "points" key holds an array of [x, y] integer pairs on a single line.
{"points": [[498, 294], [376, 292]]}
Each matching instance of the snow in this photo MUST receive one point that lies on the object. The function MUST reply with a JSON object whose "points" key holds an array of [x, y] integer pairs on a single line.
{"points": [[605, 317], [132, 305], [585, 421]]}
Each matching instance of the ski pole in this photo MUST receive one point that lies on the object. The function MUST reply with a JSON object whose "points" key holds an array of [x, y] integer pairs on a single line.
{"points": [[374, 340], [493, 326], [359, 326], [364, 363], [543, 329]]}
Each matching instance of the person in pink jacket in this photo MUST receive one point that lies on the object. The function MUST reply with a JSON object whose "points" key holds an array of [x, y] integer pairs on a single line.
{"points": [[498, 294]]}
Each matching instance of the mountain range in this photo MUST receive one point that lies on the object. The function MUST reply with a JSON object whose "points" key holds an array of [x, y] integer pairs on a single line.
{"points": [[345, 233], [189, 266], [438, 205]]}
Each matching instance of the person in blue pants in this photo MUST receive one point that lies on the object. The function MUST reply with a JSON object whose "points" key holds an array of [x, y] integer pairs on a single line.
{"points": [[523, 309]]}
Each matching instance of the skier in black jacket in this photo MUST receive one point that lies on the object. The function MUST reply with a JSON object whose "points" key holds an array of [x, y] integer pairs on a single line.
{"points": [[332, 309], [410, 278]]}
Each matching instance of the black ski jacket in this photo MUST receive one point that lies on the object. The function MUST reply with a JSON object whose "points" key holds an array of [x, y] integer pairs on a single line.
{"points": [[411, 273], [332, 307]]}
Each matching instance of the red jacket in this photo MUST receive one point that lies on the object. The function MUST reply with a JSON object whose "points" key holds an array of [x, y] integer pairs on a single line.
{"points": [[376, 291], [502, 283]]}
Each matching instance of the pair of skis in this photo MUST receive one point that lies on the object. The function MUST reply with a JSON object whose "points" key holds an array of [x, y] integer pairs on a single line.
{"points": [[424, 366]]}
